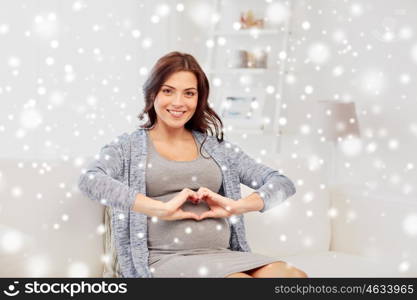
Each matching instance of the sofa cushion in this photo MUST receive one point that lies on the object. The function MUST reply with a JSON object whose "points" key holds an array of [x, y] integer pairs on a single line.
{"points": [[338, 264]]}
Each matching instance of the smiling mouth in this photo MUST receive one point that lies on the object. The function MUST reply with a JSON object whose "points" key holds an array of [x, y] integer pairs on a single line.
{"points": [[176, 114]]}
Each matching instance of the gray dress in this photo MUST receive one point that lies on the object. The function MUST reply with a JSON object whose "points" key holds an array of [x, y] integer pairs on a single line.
{"points": [[190, 248]]}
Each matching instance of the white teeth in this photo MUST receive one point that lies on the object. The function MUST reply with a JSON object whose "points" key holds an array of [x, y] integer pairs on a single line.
{"points": [[176, 113]]}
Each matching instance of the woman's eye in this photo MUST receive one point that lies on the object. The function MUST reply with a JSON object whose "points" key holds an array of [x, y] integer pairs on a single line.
{"points": [[166, 90], [191, 94]]}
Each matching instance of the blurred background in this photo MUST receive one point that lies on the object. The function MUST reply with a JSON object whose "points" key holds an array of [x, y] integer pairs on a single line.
{"points": [[324, 90]]}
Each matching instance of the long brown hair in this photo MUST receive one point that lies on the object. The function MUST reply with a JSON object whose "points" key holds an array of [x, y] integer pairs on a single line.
{"points": [[204, 117]]}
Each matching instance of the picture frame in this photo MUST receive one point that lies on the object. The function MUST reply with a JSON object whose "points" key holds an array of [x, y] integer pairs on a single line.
{"points": [[242, 110]]}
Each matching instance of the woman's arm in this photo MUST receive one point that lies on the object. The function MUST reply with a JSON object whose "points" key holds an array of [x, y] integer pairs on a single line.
{"points": [[253, 202], [271, 186], [101, 182]]}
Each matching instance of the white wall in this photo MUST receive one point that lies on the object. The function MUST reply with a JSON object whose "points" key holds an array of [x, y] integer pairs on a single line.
{"points": [[369, 58], [68, 99], [91, 90]]}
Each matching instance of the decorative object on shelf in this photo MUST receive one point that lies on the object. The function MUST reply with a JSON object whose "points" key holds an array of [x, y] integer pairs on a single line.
{"points": [[257, 59], [248, 20], [248, 59], [238, 59], [336, 121], [242, 109]]}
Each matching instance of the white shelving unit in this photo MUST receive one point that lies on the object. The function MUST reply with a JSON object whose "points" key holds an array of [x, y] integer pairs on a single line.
{"points": [[266, 84]]}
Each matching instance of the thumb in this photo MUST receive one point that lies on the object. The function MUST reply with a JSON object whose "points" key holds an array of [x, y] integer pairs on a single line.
{"points": [[207, 214], [202, 195], [190, 215], [180, 198]]}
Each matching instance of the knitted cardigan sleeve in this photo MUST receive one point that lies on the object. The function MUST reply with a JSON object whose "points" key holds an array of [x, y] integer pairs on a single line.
{"points": [[102, 181], [272, 186]]}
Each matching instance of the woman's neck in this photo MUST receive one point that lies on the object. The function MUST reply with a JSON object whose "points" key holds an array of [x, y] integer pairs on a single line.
{"points": [[169, 135]]}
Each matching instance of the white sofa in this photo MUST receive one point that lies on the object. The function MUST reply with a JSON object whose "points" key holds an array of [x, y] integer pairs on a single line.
{"points": [[48, 229], [352, 233]]}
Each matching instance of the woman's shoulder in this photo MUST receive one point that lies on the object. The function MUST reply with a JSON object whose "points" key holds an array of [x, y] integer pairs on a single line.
{"points": [[125, 139], [126, 136]]}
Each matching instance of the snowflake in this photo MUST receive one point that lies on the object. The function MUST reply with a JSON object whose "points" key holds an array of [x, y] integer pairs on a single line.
{"points": [[410, 225], [203, 271]]}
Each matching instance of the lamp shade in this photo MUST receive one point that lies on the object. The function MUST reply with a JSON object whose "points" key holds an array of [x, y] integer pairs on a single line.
{"points": [[336, 120]]}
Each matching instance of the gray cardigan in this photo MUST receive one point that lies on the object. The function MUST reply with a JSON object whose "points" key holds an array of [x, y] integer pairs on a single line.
{"points": [[118, 174]]}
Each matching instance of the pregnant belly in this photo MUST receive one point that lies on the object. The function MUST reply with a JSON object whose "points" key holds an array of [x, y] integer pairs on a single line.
{"points": [[188, 234]]}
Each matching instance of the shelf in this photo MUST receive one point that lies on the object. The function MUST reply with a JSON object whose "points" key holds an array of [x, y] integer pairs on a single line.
{"points": [[250, 32], [277, 39]]}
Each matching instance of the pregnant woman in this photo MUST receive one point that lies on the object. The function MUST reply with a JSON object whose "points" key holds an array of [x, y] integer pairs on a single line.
{"points": [[172, 187]]}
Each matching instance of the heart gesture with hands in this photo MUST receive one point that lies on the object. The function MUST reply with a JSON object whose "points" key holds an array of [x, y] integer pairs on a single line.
{"points": [[220, 206], [173, 209]]}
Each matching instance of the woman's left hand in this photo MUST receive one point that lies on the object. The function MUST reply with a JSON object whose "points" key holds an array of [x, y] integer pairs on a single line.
{"points": [[220, 207]]}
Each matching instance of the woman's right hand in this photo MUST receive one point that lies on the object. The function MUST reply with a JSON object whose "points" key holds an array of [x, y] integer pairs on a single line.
{"points": [[173, 209]]}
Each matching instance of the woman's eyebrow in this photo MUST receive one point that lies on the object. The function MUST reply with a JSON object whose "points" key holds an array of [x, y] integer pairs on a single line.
{"points": [[175, 88]]}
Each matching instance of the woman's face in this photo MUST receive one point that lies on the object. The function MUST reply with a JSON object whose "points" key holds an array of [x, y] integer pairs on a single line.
{"points": [[176, 100]]}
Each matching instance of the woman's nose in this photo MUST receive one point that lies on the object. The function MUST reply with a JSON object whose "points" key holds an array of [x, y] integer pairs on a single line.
{"points": [[178, 99]]}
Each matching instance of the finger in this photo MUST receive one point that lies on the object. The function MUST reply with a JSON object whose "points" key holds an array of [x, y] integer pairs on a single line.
{"points": [[195, 196], [190, 215], [202, 190], [203, 196], [207, 214], [193, 200], [185, 214], [192, 194], [181, 197], [220, 201]]}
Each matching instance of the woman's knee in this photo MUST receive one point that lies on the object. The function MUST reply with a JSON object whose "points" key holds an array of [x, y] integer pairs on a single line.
{"points": [[299, 273], [294, 272], [238, 275], [279, 269]]}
